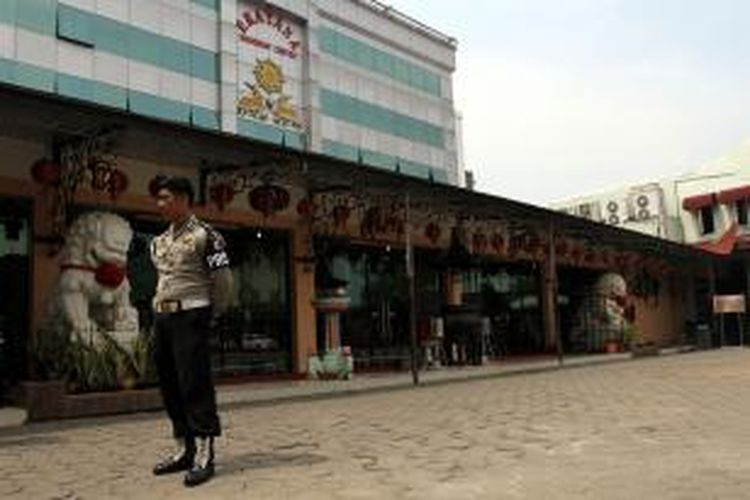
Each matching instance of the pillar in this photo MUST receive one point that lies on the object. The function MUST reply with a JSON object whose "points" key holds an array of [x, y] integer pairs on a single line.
{"points": [[304, 338], [453, 287], [549, 296]]}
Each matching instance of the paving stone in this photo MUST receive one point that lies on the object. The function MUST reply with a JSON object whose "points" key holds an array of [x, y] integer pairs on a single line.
{"points": [[668, 427]]}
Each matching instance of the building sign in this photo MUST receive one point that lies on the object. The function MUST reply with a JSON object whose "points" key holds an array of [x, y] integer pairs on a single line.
{"points": [[270, 65], [729, 304]]}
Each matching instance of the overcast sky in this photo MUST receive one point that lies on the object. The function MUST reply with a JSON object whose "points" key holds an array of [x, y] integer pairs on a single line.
{"points": [[569, 97]]}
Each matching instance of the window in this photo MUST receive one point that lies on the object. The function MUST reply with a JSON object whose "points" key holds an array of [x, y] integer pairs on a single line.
{"points": [[706, 217], [740, 207]]}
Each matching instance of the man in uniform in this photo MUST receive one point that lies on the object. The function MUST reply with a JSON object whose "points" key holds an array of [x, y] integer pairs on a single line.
{"points": [[193, 289]]}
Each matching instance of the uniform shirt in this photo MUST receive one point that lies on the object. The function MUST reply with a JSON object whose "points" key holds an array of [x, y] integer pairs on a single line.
{"points": [[186, 259]]}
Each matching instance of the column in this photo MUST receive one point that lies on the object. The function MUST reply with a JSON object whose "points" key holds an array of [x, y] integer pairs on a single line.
{"points": [[303, 293], [549, 296]]}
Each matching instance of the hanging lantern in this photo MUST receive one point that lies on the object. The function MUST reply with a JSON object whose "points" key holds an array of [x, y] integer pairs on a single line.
{"points": [[221, 194], [306, 208], [46, 172], [432, 232], [268, 199], [589, 256], [576, 253], [117, 183], [341, 214], [498, 242], [479, 242], [621, 261]]}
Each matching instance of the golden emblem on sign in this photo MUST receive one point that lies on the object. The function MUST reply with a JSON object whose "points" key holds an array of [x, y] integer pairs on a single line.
{"points": [[269, 76], [264, 99]]}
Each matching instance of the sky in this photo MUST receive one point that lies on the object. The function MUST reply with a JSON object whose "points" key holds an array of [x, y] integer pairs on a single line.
{"points": [[565, 98]]}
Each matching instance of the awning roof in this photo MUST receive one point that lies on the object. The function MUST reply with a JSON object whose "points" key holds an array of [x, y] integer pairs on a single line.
{"points": [[734, 194], [722, 246], [28, 114], [692, 203]]}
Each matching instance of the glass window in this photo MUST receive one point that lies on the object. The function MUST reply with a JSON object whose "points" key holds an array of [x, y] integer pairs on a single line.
{"points": [[256, 334], [706, 217], [741, 209]]}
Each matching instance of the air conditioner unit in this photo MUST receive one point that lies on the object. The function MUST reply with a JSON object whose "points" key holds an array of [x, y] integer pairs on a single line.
{"points": [[589, 211], [645, 205], [615, 211]]}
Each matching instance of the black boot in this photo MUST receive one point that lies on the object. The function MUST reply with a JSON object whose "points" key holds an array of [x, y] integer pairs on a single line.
{"points": [[182, 460], [203, 465]]}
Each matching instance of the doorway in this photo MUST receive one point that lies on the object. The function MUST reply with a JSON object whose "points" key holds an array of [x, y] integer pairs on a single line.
{"points": [[15, 229]]}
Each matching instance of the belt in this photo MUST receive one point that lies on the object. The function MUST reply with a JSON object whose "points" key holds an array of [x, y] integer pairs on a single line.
{"points": [[173, 306]]}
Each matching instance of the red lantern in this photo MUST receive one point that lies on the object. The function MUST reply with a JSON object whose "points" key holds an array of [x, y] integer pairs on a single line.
{"points": [[221, 194], [305, 207], [116, 183], [268, 199], [432, 232], [498, 242], [341, 214], [46, 172], [576, 254], [479, 242], [621, 261]]}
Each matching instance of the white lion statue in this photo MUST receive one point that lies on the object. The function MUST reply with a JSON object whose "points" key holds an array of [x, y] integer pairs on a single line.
{"points": [[92, 295], [601, 314]]}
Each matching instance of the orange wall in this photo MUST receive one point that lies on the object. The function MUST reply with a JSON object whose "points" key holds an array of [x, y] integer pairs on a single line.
{"points": [[661, 320]]}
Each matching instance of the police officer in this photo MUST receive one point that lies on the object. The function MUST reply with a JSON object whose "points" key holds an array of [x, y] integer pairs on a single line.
{"points": [[193, 289]]}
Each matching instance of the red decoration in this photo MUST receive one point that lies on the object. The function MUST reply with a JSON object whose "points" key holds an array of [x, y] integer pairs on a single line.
{"points": [[268, 199], [306, 208], [576, 254], [108, 178], [479, 242], [561, 248], [117, 183], [110, 275], [46, 172], [432, 232], [498, 242], [341, 214], [221, 194]]}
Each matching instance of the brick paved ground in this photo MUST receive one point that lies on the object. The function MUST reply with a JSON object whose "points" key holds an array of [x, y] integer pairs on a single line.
{"points": [[670, 427]]}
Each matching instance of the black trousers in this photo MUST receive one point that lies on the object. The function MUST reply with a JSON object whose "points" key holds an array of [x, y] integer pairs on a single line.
{"points": [[184, 366]]}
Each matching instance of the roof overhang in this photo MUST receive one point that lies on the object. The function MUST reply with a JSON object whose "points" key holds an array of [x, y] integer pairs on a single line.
{"points": [[34, 115]]}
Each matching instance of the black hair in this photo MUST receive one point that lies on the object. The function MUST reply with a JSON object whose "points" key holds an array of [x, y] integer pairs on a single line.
{"points": [[179, 186]]}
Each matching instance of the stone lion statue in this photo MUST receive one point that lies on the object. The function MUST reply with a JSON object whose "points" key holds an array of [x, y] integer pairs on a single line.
{"points": [[92, 293], [601, 315]]}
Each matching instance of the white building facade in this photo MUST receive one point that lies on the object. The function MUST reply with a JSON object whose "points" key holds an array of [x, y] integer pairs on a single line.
{"points": [[353, 79], [645, 208], [699, 207]]}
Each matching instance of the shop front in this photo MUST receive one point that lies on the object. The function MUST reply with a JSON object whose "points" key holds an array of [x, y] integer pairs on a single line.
{"points": [[491, 276]]}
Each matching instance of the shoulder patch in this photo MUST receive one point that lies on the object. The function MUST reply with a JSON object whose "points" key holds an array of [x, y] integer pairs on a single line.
{"points": [[216, 255]]}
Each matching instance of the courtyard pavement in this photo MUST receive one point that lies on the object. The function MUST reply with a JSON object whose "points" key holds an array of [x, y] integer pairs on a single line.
{"points": [[662, 427]]}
